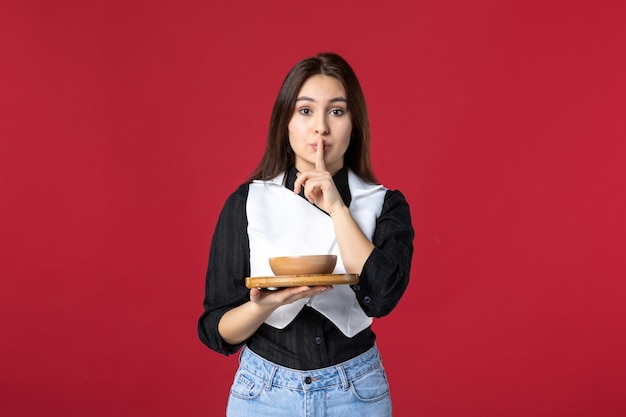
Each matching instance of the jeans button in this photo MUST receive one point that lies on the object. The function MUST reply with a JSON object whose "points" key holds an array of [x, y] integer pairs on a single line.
{"points": [[308, 380], [318, 340]]}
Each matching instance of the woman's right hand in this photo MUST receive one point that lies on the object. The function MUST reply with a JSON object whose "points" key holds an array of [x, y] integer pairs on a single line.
{"points": [[277, 298], [241, 322]]}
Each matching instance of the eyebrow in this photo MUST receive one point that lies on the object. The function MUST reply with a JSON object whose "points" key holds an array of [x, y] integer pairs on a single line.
{"points": [[332, 100]]}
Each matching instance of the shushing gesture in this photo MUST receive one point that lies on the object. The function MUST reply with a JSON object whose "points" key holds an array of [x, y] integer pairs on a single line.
{"points": [[319, 187]]}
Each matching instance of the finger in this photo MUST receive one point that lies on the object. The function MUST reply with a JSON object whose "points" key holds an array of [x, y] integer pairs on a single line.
{"points": [[301, 179], [319, 156], [255, 294], [297, 184], [311, 191], [310, 291]]}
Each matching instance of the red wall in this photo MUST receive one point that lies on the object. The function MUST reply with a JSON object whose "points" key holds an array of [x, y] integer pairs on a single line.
{"points": [[124, 125]]}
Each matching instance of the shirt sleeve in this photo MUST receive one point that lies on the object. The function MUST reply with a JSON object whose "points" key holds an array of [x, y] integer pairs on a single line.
{"points": [[385, 275], [229, 264]]}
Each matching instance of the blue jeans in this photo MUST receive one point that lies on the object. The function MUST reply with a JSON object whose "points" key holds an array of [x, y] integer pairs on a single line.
{"points": [[357, 387]]}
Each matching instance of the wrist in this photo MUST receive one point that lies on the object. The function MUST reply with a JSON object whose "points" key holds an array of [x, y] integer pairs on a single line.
{"points": [[341, 210]]}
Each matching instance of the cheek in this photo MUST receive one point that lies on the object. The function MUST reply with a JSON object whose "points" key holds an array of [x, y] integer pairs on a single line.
{"points": [[294, 130], [295, 141], [347, 135], [291, 135]]}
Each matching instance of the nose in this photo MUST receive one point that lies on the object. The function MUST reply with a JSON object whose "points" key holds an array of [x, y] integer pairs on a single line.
{"points": [[321, 125]]}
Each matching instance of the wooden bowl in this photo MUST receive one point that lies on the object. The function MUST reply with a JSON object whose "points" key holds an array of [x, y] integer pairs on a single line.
{"points": [[303, 265]]}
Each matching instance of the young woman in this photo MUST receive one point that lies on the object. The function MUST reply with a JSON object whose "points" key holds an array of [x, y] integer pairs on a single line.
{"points": [[309, 351]]}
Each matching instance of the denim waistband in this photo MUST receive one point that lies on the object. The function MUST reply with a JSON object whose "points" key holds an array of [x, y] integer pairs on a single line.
{"points": [[340, 374]]}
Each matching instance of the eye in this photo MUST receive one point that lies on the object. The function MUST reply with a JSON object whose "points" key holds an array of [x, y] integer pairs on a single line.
{"points": [[305, 111], [337, 112]]}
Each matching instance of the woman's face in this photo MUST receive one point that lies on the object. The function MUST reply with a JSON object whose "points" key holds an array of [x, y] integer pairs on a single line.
{"points": [[321, 111]]}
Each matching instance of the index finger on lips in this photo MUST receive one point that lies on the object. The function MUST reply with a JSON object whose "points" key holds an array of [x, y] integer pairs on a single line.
{"points": [[319, 156]]}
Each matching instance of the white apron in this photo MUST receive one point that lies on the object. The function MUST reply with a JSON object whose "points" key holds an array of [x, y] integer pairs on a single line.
{"points": [[281, 223]]}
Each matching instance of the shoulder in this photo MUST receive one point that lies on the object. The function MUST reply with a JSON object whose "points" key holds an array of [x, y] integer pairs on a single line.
{"points": [[239, 195], [395, 196], [395, 202], [236, 201]]}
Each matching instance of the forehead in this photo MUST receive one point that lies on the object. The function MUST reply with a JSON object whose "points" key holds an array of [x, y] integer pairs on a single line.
{"points": [[322, 86]]}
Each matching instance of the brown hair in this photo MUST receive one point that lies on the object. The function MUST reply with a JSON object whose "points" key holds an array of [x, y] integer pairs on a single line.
{"points": [[279, 156]]}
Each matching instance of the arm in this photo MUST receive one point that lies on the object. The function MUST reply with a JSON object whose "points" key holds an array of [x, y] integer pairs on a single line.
{"points": [[229, 264], [383, 264], [231, 314], [385, 275], [241, 322], [354, 246], [320, 189]]}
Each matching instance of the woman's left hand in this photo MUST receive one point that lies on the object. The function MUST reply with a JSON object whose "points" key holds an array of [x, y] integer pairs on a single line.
{"points": [[319, 187]]}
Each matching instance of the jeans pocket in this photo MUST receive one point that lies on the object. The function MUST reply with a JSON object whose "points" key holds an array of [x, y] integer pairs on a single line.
{"points": [[372, 386], [246, 386]]}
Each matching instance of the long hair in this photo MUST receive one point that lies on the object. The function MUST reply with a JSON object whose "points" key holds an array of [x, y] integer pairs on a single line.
{"points": [[279, 156]]}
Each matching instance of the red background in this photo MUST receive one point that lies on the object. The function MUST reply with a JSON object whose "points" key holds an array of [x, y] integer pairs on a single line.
{"points": [[125, 124]]}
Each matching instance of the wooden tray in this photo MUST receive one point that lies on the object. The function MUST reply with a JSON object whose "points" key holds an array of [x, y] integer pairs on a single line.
{"points": [[283, 281]]}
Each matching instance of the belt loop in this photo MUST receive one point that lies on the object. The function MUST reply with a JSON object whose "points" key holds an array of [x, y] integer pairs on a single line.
{"points": [[270, 378], [344, 378]]}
